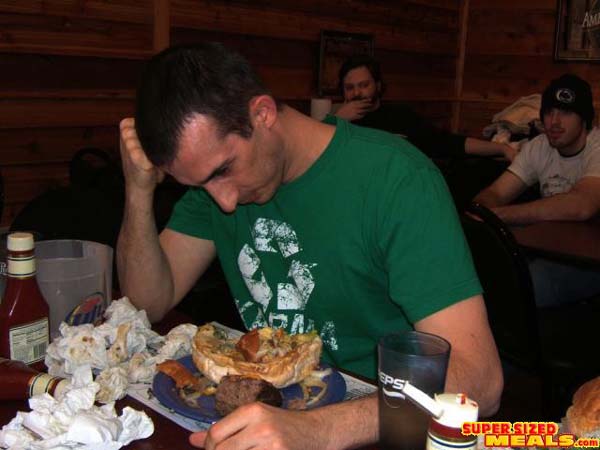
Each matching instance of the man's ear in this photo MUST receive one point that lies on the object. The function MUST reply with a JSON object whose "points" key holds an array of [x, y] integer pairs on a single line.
{"points": [[263, 111]]}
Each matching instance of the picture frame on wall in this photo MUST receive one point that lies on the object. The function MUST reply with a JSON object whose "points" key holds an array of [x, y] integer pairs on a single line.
{"points": [[577, 30], [336, 47]]}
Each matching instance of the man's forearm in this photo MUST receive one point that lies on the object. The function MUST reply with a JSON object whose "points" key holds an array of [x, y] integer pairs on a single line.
{"points": [[351, 424], [480, 147], [488, 198], [144, 273], [557, 207]]}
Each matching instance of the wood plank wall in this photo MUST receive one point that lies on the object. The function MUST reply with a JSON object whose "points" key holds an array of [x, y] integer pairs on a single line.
{"points": [[68, 68], [509, 54]]}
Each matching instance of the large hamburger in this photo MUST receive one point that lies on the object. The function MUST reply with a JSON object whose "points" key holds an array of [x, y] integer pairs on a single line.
{"points": [[583, 416], [266, 353]]}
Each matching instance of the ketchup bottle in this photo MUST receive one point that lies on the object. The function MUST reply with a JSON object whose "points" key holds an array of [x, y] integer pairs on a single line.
{"points": [[18, 381], [24, 313]]}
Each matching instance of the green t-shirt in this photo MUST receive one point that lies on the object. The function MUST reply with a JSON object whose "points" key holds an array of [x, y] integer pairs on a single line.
{"points": [[366, 242]]}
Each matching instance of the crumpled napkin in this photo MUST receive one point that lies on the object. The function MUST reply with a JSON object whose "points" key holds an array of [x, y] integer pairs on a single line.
{"points": [[124, 349], [74, 422]]}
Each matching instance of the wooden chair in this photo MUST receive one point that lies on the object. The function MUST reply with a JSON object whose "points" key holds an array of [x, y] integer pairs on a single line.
{"points": [[555, 343]]}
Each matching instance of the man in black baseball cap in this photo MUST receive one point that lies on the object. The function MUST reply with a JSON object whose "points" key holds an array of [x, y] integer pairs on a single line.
{"points": [[569, 93], [565, 161]]}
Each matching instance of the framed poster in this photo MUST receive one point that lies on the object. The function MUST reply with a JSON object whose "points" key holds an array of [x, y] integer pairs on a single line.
{"points": [[336, 46], [577, 30]]}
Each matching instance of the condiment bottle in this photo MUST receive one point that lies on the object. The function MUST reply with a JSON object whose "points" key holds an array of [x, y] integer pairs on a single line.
{"points": [[445, 431], [19, 381], [24, 313]]}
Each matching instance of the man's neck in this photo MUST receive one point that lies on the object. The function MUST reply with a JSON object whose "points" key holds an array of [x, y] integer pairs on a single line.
{"points": [[576, 147], [304, 141]]}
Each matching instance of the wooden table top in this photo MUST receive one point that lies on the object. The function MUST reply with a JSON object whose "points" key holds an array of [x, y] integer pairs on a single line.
{"points": [[575, 242]]}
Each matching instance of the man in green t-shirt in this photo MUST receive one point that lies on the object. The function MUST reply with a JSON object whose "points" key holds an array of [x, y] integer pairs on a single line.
{"points": [[336, 228]]}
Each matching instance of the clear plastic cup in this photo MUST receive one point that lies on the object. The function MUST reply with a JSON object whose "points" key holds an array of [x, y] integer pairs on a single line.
{"points": [[422, 360], [75, 278]]}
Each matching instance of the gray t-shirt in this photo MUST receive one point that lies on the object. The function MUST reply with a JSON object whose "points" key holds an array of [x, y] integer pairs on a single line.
{"points": [[539, 162]]}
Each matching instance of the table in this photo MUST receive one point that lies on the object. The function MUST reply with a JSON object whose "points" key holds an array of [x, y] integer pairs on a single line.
{"points": [[573, 242], [167, 434]]}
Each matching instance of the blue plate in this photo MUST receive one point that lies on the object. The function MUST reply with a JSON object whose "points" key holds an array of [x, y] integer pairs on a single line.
{"points": [[163, 388]]}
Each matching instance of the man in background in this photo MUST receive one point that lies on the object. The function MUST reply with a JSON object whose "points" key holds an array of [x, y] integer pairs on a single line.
{"points": [[362, 87], [565, 161]]}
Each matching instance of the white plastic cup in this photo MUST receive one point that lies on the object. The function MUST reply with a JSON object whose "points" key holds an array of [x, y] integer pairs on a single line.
{"points": [[319, 108], [75, 278]]}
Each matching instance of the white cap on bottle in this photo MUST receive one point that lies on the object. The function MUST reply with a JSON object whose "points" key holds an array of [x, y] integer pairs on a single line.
{"points": [[19, 242], [458, 409]]}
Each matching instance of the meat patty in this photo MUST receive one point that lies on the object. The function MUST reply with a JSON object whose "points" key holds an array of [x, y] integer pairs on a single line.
{"points": [[235, 390]]}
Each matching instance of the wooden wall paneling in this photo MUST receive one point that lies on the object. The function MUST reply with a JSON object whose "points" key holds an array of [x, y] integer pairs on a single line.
{"points": [[258, 49], [132, 11], [18, 180], [65, 35], [509, 54], [477, 115], [288, 67], [36, 113], [42, 146], [431, 15], [68, 68], [516, 6], [508, 33], [506, 78], [418, 16], [22, 184], [162, 24], [460, 63], [417, 65], [408, 74], [401, 87], [53, 73], [413, 76], [232, 18]]}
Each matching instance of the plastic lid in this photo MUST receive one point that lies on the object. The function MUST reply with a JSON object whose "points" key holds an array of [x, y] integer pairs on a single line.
{"points": [[458, 409], [19, 242]]}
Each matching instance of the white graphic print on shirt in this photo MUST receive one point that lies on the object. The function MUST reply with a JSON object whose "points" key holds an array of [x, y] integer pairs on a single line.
{"points": [[556, 184], [293, 294]]}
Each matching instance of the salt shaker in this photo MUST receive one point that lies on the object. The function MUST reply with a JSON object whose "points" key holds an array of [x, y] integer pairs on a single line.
{"points": [[445, 431]]}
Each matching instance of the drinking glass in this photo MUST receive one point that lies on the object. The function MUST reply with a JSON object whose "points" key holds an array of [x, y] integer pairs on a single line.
{"points": [[422, 360]]}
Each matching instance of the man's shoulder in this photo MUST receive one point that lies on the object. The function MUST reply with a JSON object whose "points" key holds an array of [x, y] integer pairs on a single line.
{"points": [[376, 143], [540, 141], [593, 139], [537, 148], [378, 156]]}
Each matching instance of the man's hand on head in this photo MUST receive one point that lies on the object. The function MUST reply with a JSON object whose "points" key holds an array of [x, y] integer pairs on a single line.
{"points": [[139, 171]]}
